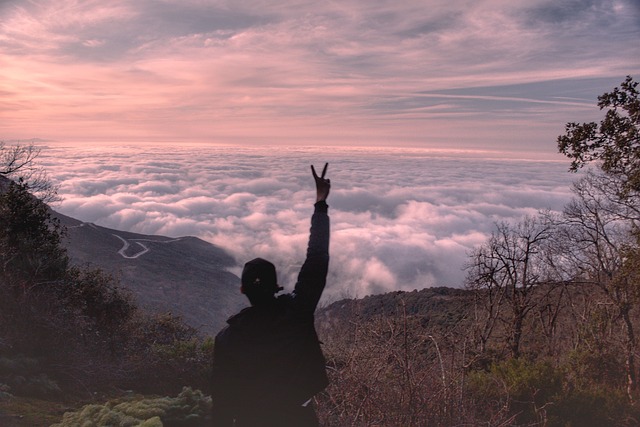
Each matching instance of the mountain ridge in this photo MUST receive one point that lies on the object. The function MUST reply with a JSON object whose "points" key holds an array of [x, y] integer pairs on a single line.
{"points": [[186, 276]]}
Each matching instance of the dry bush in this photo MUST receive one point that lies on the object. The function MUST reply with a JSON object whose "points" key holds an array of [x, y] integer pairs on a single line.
{"points": [[391, 370]]}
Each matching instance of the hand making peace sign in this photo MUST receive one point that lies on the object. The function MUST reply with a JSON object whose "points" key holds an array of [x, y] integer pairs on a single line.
{"points": [[323, 185]]}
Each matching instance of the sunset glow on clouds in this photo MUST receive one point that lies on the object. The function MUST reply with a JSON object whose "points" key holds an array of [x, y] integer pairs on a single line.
{"points": [[488, 73]]}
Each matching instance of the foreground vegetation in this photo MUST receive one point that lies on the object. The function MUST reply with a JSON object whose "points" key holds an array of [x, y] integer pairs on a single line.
{"points": [[543, 335]]}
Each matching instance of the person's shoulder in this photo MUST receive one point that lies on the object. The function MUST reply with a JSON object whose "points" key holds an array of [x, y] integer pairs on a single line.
{"points": [[238, 316]]}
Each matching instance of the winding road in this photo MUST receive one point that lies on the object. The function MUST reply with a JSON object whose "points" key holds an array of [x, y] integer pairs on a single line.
{"points": [[126, 243], [144, 249]]}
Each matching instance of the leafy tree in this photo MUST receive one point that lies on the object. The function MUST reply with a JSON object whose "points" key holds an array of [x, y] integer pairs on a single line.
{"points": [[33, 267], [31, 252], [615, 142], [106, 309]]}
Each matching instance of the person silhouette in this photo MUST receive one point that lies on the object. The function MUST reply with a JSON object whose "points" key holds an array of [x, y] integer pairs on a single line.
{"points": [[267, 362]]}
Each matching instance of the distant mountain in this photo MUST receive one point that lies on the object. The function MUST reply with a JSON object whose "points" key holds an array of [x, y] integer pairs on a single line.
{"points": [[185, 276], [436, 307]]}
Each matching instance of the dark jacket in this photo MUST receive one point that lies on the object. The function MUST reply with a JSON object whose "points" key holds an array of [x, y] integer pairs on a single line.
{"points": [[268, 361]]}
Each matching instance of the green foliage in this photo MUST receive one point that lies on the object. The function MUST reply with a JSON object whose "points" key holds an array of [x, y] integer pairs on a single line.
{"points": [[604, 364], [102, 309], [97, 295], [189, 408], [615, 141], [541, 393], [525, 388], [30, 240], [535, 382], [168, 354], [33, 265]]}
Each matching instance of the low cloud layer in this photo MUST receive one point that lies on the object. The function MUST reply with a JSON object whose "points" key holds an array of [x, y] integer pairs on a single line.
{"points": [[402, 219]]}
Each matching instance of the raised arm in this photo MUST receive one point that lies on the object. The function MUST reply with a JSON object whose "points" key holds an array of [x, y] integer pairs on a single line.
{"points": [[313, 274]]}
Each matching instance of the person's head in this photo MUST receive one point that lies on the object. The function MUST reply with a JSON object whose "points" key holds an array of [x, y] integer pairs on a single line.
{"points": [[259, 281]]}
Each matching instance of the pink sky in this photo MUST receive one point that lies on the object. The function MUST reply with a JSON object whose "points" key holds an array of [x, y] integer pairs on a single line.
{"points": [[482, 74]]}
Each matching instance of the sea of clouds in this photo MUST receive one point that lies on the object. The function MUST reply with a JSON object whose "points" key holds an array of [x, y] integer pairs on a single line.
{"points": [[402, 219]]}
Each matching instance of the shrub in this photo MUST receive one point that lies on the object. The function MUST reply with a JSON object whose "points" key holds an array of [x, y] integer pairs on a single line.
{"points": [[521, 392], [592, 407], [23, 376], [190, 408], [164, 355], [516, 389]]}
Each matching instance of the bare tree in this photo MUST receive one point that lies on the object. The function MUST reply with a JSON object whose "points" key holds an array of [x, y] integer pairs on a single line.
{"points": [[19, 163], [506, 272], [489, 297], [601, 249]]}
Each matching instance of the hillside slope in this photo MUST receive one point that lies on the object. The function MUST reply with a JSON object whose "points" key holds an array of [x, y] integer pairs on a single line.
{"points": [[185, 276]]}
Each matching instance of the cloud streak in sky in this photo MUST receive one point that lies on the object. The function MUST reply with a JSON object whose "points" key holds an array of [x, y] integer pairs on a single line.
{"points": [[401, 219], [358, 72]]}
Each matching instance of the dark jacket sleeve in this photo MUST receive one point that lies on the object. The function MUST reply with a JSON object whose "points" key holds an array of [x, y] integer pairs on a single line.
{"points": [[313, 274]]}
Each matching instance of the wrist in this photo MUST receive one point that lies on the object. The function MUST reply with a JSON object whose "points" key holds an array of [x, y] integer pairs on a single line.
{"points": [[321, 206]]}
